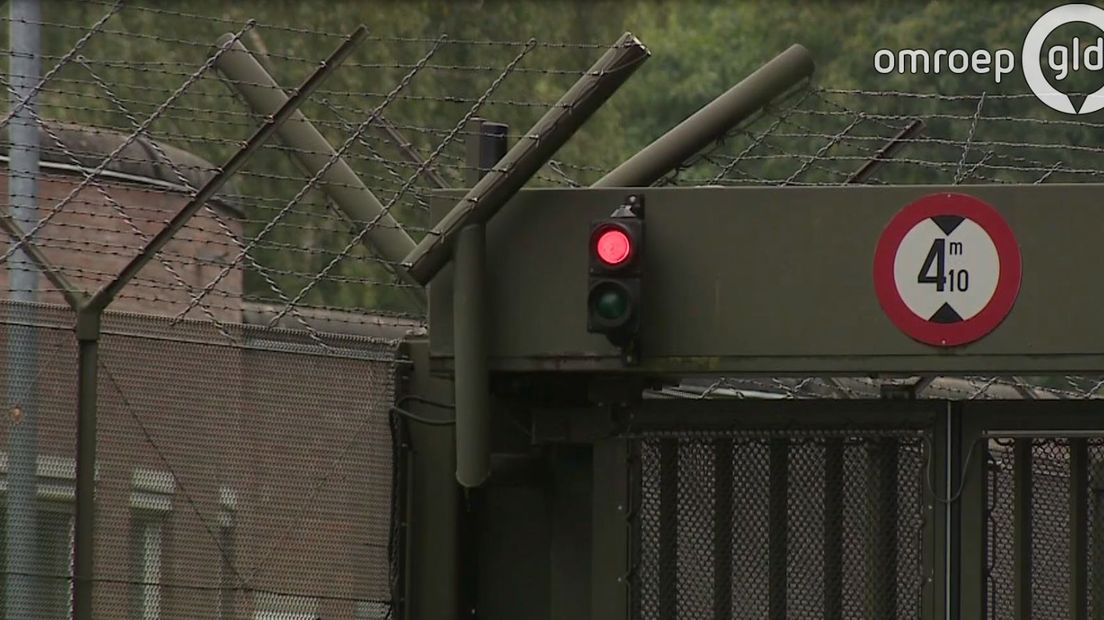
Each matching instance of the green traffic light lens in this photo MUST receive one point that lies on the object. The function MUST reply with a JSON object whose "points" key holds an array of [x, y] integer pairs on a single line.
{"points": [[611, 303]]}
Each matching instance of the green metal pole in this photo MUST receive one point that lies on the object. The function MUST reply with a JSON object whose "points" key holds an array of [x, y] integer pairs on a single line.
{"points": [[473, 415], [528, 155], [714, 120], [486, 145], [88, 335]]}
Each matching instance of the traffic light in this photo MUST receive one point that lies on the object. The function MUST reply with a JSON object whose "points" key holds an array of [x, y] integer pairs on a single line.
{"points": [[616, 265]]}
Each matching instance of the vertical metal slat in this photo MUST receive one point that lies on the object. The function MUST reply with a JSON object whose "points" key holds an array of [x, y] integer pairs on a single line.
{"points": [[668, 528], [722, 528], [1097, 554], [833, 530], [778, 523], [1079, 533], [882, 546], [1021, 528]]}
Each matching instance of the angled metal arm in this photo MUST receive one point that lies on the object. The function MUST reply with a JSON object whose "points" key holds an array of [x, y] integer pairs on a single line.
{"points": [[315, 155], [887, 152], [272, 123], [528, 155], [73, 295], [392, 134], [714, 120]]}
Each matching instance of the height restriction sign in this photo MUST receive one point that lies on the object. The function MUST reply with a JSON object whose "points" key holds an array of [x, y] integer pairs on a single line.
{"points": [[947, 269]]}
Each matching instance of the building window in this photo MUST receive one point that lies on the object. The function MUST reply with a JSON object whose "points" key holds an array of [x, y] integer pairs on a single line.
{"points": [[270, 606], [372, 611], [228, 505], [151, 504], [52, 538]]}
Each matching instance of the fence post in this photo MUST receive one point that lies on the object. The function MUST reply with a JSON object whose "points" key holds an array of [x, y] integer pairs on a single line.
{"points": [[88, 336]]}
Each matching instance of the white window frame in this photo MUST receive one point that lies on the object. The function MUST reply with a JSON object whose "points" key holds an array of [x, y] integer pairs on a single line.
{"points": [[151, 503]]}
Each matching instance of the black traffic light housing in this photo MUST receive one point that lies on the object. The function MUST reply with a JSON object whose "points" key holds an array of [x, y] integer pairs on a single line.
{"points": [[613, 294]]}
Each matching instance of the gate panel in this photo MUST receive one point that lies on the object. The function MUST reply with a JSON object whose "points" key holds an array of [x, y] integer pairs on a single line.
{"points": [[781, 524], [1046, 535]]}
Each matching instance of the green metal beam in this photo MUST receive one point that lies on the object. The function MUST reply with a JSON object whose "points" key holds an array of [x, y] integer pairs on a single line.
{"points": [[711, 122], [733, 287]]}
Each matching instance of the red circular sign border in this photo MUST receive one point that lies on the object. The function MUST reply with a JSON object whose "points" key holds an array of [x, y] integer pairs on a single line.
{"points": [[1008, 282]]}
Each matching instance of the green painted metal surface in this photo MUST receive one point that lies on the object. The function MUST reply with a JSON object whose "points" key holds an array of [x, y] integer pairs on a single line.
{"points": [[775, 280]]}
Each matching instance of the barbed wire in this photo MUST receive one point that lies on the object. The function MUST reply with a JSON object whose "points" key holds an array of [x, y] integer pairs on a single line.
{"points": [[278, 221]]}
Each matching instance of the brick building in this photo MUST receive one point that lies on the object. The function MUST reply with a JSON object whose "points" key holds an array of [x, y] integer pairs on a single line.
{"points": [[244, 479]]}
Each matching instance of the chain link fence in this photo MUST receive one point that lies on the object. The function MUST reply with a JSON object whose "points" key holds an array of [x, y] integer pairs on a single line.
{"points": [[245, 481], [246, 374]]}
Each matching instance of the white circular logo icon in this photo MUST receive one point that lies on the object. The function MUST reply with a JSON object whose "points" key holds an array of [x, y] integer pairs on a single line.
{"points": [[1033, 48]]}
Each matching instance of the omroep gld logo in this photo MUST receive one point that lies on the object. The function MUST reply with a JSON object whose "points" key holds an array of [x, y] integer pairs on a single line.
{"points": [[1062, 59]]}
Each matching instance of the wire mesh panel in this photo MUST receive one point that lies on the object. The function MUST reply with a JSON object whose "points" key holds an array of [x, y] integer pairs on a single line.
{"points": [[36, 490], [1045, 532], [768, 525], [249, 481]]}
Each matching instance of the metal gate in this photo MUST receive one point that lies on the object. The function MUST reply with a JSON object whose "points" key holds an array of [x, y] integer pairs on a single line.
{"points": [[866, 509]]}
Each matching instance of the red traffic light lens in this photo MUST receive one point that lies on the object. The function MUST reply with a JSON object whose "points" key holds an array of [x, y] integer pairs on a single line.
{"points": [[613, 246]]}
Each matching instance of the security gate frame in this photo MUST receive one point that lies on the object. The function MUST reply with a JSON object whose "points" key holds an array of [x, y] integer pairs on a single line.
{"points": [[558, 532], [550, 423]]}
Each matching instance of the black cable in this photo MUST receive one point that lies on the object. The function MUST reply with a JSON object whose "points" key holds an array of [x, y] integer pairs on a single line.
{"points": [[424, 401], [423, 420]]}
